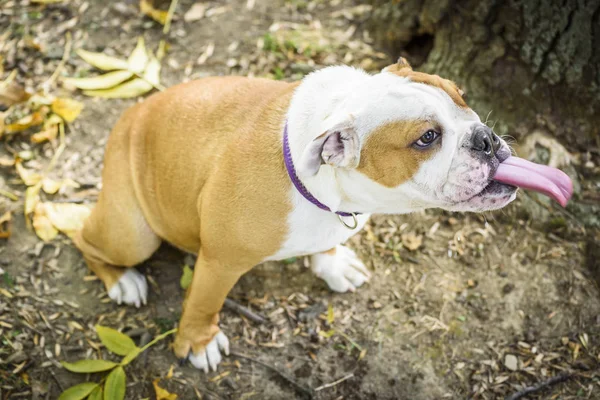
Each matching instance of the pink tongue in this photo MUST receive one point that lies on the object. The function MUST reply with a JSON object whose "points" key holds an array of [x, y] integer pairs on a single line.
{"points": [[527, 175]]}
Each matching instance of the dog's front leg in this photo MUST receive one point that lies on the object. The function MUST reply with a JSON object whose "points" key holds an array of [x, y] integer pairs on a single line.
{"points": [[199, 335], [340, 268]]}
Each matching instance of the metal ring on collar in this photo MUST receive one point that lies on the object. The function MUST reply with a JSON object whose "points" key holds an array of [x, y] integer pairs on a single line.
{"points": [[353, 215]]}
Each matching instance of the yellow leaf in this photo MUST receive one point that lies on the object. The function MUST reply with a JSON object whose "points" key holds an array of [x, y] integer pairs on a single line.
{"points": [[5, 225], [78, 392], [115, 341], [102, 61], [42, 224], [148, 9], [133, 88], [114, 388], [89, 366], [25, 123], [138, 59], [152, 73], [186, 277], [96, 394], [330, 316], [50, 186], [162, 394], [105, 81], [32, 198], [170, 373], [412, 241], [47, 134], [28, 177], [68, 109], [67, 217]]}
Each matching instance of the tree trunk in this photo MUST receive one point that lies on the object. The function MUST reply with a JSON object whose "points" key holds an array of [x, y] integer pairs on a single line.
{"points": [[532, 64]]}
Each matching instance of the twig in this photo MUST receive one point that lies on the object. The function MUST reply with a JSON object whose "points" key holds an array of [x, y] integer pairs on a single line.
{"points": [[299, 387], [61, 65], [60, 386], [245, 311], [332, 384], [170, 13], [564, 376]]}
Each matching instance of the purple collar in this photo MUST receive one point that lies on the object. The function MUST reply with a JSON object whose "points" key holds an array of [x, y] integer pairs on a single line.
{"points": [[289, 165]]}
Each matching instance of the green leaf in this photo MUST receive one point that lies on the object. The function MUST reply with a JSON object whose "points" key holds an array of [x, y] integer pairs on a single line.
{"points": [[131, 356], [186, 277], [102, 61], [115, 341], [89, 366], [114, 388], [78, 392], [104, 81], [96, 394]]}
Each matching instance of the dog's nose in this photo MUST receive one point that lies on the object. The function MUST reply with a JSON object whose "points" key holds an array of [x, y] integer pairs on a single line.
{"points": [[485, 140]]}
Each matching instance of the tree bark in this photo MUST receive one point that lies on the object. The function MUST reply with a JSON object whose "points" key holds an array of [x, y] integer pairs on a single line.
{"points": [[535, 64]]}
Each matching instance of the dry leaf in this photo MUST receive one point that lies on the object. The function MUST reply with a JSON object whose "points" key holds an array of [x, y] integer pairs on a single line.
{"points": [[67, 217], [195, 12], [138, 59], [148, 9], [68, 109], [105, 81], [162, 394], [5, 225], [102, 61], [42, 224], [28, 177], [24, 123], [51, 186], [7, 162], [12, 93], [47, 134], [412, 241], [133, 88], [32, 198]]}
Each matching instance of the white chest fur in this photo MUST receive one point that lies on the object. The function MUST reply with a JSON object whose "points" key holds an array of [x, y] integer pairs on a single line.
{"points": [[312, 230]]}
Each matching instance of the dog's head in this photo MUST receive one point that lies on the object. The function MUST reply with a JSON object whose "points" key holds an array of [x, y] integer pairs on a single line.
{"points": [[404, 141]]}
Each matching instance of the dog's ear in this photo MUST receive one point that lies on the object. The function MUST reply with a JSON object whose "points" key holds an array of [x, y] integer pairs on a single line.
{"points": [[338, 146], [401, 64]]}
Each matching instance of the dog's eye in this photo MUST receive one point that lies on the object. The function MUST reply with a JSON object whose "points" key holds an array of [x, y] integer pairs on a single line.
{"points": [[427, 139]]}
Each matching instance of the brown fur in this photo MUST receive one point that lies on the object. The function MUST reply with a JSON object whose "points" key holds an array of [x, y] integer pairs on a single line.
{"points": [[388, 157], [402, 68], [199, 165]]}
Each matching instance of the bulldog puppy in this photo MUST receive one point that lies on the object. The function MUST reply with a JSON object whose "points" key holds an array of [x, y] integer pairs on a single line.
{"points": [[242, 170]]}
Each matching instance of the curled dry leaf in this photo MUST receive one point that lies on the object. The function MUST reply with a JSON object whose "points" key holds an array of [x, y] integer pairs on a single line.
{"points": [[162, 394], [11, 94], [42, 225], [5, 225], [148, 9], [32, 198], [67, 109], [45, 135], [412, 241], [67, 217], [28, 177], [105, 81], [25, 123], [138, 59], [51, 186], [102, 61], [134, 87]]}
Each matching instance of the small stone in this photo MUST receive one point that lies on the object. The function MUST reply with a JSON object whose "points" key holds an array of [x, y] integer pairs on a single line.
{"points": [[511, 362], [376, 305], [509, 287]]}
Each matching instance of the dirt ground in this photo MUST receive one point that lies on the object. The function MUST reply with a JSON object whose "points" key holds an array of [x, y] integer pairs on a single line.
{"points": [[459, 306]]}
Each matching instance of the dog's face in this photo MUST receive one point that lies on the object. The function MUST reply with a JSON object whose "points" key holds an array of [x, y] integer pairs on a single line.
{"points": [[407, 141]]}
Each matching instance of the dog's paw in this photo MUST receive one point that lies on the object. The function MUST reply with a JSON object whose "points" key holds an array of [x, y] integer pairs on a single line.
{"points": [[131, 289], [342, 270], [211, 355]]}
